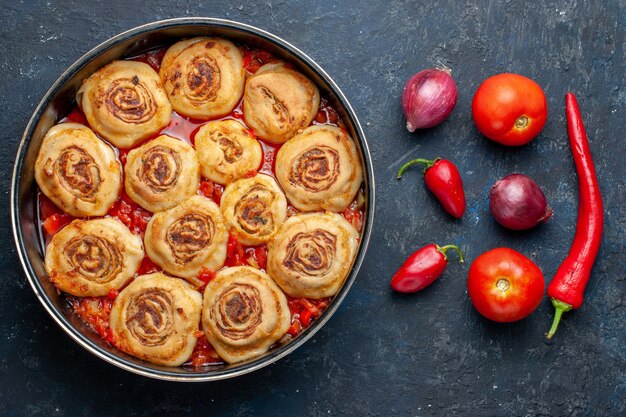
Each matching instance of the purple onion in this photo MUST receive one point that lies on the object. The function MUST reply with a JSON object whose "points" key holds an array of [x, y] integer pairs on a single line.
{"points": [[428, 98], [517, 202]]}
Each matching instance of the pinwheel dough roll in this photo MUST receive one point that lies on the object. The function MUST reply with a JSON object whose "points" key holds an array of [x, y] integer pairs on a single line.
{"points": [[77, 171], [155, 318], [125, 103], [187, 238], [227, 151], [254, 208], [88, 258], [278, 101], [203, 77], [244, 313], [319, 169], [312, 254], [162, 173]]}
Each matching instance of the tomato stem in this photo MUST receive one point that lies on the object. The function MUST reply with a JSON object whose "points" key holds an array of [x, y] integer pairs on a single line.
{"points": [[503, 284], [428, 162], [521, 122], [560, 308], [443, 250]]}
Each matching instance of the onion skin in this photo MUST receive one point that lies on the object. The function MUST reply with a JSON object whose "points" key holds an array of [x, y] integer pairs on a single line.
{"points": [[428, 98], [518, 203]]}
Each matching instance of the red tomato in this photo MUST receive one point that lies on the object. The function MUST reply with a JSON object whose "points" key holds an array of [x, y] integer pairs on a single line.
{"points": [[260, 254], [206, 275], [510, 109], [504, 285], [147, 267], [52, 224]]}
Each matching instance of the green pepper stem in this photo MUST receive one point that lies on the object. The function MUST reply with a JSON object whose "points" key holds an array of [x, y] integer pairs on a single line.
{"points": [[443, 250], [560, 308], [429, 163]]}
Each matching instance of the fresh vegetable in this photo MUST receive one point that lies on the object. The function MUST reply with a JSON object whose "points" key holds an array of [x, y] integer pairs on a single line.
{"points": [[518, 203], [510, 109], [422, 268], [568, 285], [444, 181], [504, 285], [428, 98]]}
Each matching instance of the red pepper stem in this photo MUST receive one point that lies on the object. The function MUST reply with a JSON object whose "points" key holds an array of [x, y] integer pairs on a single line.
{"points": [[560, 307], [443, 250], [428, 162]]}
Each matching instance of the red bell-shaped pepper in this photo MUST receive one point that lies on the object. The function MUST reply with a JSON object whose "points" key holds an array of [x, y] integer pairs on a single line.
{"points": [[444, 181], [422, 268]]}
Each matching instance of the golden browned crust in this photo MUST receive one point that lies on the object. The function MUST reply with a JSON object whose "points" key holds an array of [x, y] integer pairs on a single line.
{"points": [[78, 171], [278, 101], [155, 319], [227, 151], [312, 254], [254, 208], [319, 169], [203, 77], [124, 102], [187, 238], [162, 173], [88, 258], [244, 313]]}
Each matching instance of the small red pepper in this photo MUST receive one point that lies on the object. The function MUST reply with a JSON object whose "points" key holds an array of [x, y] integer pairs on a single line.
{"points": [[422, 268], [296, 327], [568, 285], [235, 252], [260, 254], [444, 181]]}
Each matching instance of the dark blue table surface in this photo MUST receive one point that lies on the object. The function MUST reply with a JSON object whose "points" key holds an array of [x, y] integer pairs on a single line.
{"points": [[381, 354]]}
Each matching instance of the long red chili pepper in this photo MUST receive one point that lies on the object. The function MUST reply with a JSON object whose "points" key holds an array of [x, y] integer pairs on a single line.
{"points": [[444, 181], [568, 285]]}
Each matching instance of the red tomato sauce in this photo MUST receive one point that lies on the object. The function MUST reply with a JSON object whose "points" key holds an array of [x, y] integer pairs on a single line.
{"points": [[95, 311]]}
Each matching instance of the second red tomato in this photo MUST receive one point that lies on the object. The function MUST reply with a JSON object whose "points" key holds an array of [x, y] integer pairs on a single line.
{"points": [[504, 285]]}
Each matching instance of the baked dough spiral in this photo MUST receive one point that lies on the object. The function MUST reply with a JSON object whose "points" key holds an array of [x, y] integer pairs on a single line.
{"points": [[312, 254], [78, 171], [254, 208], [244, 313], [124, 102], [162, 173], [187, 238], [319, 169], [88, 258], [278, 101], [227, 151], [203, 77], [155, 317]]}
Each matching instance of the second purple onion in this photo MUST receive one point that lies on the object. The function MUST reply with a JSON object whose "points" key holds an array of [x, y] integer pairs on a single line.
{"points": [[518, 203]]}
